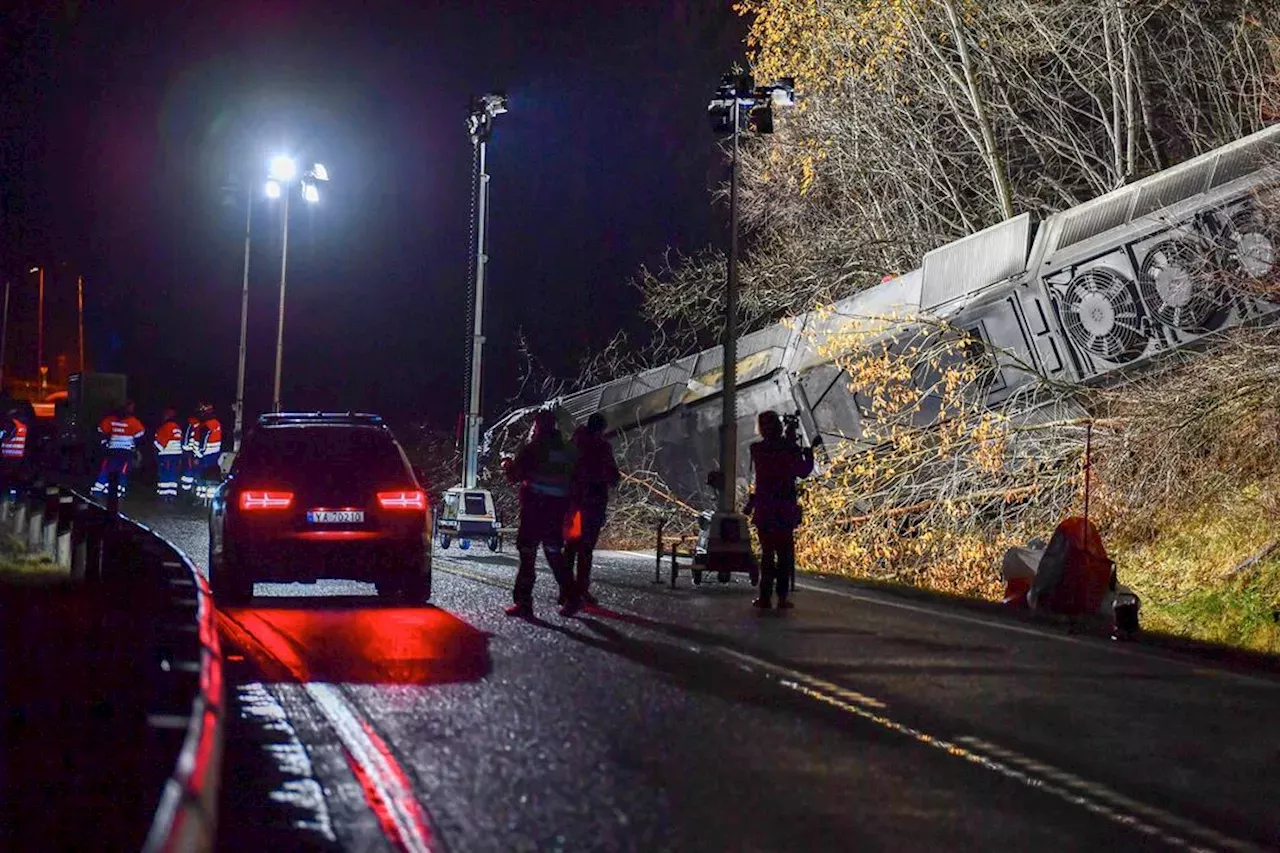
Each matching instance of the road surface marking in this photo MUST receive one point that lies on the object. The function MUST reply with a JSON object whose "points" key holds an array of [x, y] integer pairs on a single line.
{"points": [[386, 786], [1101, 792], [1068, 787], [1073, 789], [381, 776]]}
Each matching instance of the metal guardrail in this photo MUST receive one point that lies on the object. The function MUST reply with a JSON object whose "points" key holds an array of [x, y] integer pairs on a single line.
{"points": [[161, 605]]}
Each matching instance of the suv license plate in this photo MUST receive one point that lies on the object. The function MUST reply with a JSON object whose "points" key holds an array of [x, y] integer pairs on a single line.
{"points": [[329, 516]]}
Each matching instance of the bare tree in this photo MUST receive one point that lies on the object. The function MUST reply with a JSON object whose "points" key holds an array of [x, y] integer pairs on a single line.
{"points": [[925, 120]]}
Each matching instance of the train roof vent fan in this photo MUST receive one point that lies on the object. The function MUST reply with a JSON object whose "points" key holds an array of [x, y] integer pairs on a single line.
{"points": [[1102, 315]]}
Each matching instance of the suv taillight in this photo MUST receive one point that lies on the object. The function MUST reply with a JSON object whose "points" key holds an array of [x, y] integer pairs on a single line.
{"points": [[265, 500], [415, 500]]}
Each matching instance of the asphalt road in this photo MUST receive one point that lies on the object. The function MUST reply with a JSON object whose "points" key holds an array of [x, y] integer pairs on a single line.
{"points": [[682, 720]]}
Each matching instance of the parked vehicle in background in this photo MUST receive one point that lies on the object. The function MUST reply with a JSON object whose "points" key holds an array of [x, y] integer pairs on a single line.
{"points": [[320, 495], [90, 398]]}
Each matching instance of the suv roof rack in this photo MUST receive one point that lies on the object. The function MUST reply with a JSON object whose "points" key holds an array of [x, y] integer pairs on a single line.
{"points": [[350, 418]]}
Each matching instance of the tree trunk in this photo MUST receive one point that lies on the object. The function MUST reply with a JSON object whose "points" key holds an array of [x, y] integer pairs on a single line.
{"points": [[995, 161]]}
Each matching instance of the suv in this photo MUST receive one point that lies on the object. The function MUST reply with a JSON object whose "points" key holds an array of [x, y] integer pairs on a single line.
{"points": [[320, 495]]}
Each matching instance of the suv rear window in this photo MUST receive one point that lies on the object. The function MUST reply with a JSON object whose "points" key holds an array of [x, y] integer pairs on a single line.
{"points": [[362, 453]]}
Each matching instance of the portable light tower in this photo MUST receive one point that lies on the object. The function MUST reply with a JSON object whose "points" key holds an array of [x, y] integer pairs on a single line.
{"points": [[458, 520], [736, 103]]}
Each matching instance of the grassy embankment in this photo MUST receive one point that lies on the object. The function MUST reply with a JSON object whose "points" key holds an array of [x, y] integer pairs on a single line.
{"points": [[1194, 577], [18, 567]]}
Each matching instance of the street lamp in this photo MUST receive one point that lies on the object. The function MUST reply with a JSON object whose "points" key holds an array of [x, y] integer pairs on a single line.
{"points": [[244, 325], [40, 368], [479, 127], [737, 102], [282, 177]]}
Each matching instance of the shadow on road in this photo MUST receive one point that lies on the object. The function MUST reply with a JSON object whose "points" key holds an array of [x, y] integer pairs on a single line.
{"points": [[343, 639]]}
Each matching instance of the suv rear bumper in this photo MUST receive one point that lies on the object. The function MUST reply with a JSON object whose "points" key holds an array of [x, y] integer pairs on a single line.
{"points": [[307, 560]]}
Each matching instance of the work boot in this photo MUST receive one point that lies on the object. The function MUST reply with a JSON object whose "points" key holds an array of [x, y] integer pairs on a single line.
{"points": [[763, 603], [520, 610], [571, 607], [783, 604]]}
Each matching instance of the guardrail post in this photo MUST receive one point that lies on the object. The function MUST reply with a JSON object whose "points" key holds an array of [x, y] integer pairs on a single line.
{"points": [[62, 532], [52, 516], [6, 501], [18, 521], [35, 523]]}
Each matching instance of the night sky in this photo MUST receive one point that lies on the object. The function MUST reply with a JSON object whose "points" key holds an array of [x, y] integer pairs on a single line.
{"points": [[131, 135]]}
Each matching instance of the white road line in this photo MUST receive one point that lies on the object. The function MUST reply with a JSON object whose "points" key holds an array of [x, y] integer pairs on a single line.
{"points": [[1068, 787], [1073, 789], [387, 781], [1105, 794]]}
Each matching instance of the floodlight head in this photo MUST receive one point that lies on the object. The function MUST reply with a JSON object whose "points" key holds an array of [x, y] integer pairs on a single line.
{"points": [[34, 269], [273, 189], [310, 193], [495, 103], [483, 110], [783, 93], [283, 169], [319, 172]]}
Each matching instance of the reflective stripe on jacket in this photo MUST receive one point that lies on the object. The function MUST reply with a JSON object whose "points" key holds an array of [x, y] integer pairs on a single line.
{"points": [[210, 438], [168, 439], [191, 436], [122, 433], [15, 441]]}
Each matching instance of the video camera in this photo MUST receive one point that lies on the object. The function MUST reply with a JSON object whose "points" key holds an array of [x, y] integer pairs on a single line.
{"points": [[791, 428]]}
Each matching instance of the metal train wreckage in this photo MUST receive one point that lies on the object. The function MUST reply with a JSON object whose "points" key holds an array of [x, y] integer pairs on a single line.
{"points": [[1088, 295]]}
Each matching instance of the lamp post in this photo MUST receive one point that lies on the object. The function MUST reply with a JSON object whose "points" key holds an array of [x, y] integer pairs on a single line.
{"points": [[729, 542], [282, 179], [80, 317], [40, 369], [480, 128], [244, 327]]}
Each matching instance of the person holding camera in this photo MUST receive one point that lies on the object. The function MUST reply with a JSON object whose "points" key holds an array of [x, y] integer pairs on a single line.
{"points": [[778, 461]]}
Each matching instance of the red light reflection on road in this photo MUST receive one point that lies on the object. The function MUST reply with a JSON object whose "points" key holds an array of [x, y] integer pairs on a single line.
{"points": [[376, 645]]}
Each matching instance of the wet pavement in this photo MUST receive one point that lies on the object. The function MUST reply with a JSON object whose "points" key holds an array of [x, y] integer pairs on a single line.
{"points": [[682, 720]]}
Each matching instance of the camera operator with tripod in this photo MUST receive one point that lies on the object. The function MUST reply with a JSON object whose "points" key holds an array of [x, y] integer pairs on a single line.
{"points": [[778, 461]]}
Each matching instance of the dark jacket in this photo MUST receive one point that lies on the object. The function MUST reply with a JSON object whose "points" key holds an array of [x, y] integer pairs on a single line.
{"points": [[543, 468], [596, 471], [777, 465]]}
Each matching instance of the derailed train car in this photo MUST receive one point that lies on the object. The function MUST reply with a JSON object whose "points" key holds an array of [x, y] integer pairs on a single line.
{"points": [[1089, 295]]}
